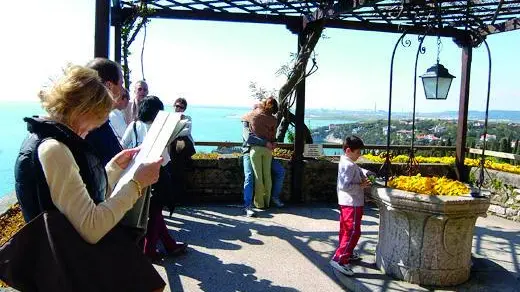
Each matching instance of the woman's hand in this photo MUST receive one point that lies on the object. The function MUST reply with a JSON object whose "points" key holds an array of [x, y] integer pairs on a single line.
{"points": [[123, 158], [148, 173]]}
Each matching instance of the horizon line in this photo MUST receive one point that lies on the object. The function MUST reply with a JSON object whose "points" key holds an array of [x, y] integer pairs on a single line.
{"points": [[307, 108]]}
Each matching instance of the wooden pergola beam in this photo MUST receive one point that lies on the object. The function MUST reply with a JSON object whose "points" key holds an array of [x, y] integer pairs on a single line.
{"points": [[509, 25], [294, 21]]}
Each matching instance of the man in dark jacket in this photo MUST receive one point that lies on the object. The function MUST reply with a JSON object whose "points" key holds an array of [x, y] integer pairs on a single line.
{"points": [[103, 139]]}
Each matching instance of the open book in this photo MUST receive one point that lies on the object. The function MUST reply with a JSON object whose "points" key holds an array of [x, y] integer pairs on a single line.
{"points": [[164, 129]]}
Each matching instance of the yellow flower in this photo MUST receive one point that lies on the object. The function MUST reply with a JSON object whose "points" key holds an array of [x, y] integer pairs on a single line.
{"points": [[429, 185], [506, 167]]}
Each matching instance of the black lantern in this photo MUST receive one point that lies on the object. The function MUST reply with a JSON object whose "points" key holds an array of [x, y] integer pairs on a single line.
{"points": [[437, 82]]}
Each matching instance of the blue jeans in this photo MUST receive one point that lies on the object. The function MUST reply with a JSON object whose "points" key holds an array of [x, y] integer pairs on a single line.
{"points": [[277, 175]]}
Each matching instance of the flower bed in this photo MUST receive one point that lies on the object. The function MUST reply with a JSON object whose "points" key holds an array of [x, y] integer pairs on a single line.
{"points": [[439, 186], [10, 222], [277, 153], [506, 167]]}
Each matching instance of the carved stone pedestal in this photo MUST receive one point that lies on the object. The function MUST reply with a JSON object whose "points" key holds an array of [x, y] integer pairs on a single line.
{"points": [[423, 239]]}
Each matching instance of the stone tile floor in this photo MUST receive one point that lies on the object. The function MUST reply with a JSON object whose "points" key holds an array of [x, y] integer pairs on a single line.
{"points": [[289, 249]]}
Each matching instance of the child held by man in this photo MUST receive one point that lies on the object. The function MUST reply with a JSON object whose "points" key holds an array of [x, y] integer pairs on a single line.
{"points": [[350, 189]]}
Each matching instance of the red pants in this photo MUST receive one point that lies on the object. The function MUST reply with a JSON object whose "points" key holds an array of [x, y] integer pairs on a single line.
{"points": [[156, 231], [349, 232]]}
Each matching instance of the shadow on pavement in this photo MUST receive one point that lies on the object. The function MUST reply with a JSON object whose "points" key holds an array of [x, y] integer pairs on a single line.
{"points": [[505, 241], [215, 276], [214, 230]]}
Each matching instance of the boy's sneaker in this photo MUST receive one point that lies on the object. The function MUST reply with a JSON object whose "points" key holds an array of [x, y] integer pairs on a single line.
{"points": [[250, 212], [355, 256], [277, 202], [344, 269]]}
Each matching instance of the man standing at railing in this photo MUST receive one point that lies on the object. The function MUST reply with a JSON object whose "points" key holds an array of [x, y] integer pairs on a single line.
{"points": [[140, 92], [277, 171], [181, 149]]}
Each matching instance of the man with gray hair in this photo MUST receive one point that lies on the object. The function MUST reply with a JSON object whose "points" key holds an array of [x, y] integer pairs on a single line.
{"points": [[140, 92]]}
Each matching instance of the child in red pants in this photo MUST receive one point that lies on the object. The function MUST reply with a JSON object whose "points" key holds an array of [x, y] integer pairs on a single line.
{"points": [[351, 182]]}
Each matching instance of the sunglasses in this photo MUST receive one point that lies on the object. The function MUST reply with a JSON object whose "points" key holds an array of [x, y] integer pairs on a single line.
{"points": [[179, 106]]}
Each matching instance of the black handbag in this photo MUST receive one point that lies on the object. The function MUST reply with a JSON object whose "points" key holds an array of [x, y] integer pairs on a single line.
{"points": [[48, 254]]}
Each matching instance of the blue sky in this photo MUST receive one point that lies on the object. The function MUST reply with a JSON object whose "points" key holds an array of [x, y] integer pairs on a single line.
{"points": [[212, 63]]}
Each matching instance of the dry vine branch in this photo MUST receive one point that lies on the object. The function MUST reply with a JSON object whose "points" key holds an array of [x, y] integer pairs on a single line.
{"points": [[131, 27], [310, 37]]}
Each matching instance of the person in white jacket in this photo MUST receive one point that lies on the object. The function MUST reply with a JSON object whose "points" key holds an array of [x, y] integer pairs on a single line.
{"points": [[162, 191], [181, 149], [180, 106]]}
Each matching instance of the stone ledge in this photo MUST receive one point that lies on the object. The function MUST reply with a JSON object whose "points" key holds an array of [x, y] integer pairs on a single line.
{"points": [[485, 276], [512, 214], [445, 205]]}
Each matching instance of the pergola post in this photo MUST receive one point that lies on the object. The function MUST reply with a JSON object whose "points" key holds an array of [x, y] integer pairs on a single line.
{"points": [[117, 22], [117, 43], [102, 29], [299, 139], [462, 125]]}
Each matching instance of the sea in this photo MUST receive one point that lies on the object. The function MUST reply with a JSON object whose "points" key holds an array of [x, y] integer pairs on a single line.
{"points": [[209, 124]]}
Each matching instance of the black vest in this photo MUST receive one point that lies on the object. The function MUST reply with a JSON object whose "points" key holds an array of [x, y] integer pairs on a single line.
{"points": [[31, 186]]}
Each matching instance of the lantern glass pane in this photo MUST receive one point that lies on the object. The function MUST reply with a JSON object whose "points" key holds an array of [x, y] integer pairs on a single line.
{"points": [[430, 87]]}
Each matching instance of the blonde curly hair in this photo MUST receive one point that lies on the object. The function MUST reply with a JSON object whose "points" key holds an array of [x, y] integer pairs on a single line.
{"points": [[77, 93]]}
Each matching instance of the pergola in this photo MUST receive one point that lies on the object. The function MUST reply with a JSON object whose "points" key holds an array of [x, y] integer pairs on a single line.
{"points": [[467, 22]]}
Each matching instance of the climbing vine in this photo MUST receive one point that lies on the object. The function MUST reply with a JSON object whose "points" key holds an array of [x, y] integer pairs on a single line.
{"points": [[130, 28]]}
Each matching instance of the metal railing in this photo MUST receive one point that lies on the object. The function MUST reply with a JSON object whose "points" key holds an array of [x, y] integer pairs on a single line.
{"points": [[332, 146], [369, 147], [399, 149]]}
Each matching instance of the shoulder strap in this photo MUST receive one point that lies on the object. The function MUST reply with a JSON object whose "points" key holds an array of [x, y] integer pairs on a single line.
{"points": [[135, 134], [42, 188]]}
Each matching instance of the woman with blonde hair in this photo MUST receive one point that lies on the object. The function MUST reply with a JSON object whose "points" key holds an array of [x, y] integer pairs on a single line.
{"points": [[57, 170], [263, 124]]}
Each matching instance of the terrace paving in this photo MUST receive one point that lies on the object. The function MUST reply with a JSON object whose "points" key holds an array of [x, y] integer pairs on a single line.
{"points": [[289, 249]]}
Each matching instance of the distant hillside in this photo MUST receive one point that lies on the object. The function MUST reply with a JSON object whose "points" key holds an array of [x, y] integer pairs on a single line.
{"points": [[496, 115]]}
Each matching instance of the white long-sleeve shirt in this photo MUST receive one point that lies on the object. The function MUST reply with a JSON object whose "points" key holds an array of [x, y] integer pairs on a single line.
{"points": [[350, 176], [118, 123], [70, 196]]}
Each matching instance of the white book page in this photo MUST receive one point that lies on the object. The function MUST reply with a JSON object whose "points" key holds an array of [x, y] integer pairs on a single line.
{"points": [[163, 129]]}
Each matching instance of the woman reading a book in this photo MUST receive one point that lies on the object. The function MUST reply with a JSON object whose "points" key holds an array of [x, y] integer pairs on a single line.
{"points": [[57, 169]]}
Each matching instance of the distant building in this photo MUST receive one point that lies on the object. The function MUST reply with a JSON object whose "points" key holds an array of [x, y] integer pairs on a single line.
{"points": [[488, 137], [405, 133], [428, 137], [333, 126], [356, 130], [385, 129], [438, 129]]}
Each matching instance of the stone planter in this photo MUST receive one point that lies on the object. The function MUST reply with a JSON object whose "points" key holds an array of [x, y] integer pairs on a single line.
{"points": [[426, 240]]}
